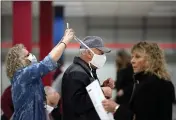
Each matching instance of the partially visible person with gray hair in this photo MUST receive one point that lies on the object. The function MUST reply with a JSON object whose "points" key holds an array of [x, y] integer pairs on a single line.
{"points": [[52, 99]]}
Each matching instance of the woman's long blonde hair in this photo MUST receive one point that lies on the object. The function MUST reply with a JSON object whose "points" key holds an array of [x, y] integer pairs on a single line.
{"points": [[15, 60], [155, 58]]}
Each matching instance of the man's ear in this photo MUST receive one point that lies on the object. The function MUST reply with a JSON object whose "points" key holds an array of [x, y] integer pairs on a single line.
{"points": [[89, 54]]}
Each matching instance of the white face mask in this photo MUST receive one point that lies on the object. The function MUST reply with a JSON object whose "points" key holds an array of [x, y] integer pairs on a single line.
{"points": [[49, 108], [98, 60], [32, 58]]}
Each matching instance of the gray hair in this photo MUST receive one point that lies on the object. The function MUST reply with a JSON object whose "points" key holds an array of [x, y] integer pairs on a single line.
{"points": [[49, 90], [83, 51]]}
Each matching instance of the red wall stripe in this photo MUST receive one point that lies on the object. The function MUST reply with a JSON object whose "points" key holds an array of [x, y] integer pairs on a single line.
{"points": [[110, 45]]}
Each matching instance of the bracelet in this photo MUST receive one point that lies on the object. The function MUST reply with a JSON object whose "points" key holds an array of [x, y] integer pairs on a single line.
{"points": [[64, 44]]}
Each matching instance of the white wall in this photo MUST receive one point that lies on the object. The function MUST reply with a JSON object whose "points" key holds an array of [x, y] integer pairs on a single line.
{"points": [[111, 29]]}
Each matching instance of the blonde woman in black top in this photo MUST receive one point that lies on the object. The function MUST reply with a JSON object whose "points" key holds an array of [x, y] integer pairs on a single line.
{"points": [[153, 92]]}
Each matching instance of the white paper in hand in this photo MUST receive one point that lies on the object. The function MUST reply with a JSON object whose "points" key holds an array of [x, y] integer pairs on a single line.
{"points": [[95, 92]]}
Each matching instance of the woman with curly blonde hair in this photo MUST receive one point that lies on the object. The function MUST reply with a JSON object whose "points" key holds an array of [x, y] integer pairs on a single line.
{"points": [[14, 60], [154, 58], [25, 74], [153, 92]]}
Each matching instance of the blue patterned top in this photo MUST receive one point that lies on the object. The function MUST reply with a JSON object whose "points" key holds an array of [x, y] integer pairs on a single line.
{"points": [[28, 91]]}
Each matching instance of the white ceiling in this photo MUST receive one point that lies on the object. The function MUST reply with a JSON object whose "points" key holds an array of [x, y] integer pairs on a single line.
{"points": [[105, 8]]}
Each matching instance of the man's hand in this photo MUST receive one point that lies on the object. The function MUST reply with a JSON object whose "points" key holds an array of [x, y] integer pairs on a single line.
{"points": [[107, 91], [68, 36], [120, 93], [109, 105], [109, 83]]}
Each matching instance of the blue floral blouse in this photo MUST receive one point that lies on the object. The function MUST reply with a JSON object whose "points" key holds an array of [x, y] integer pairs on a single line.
{"points": [[28, 94]]}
